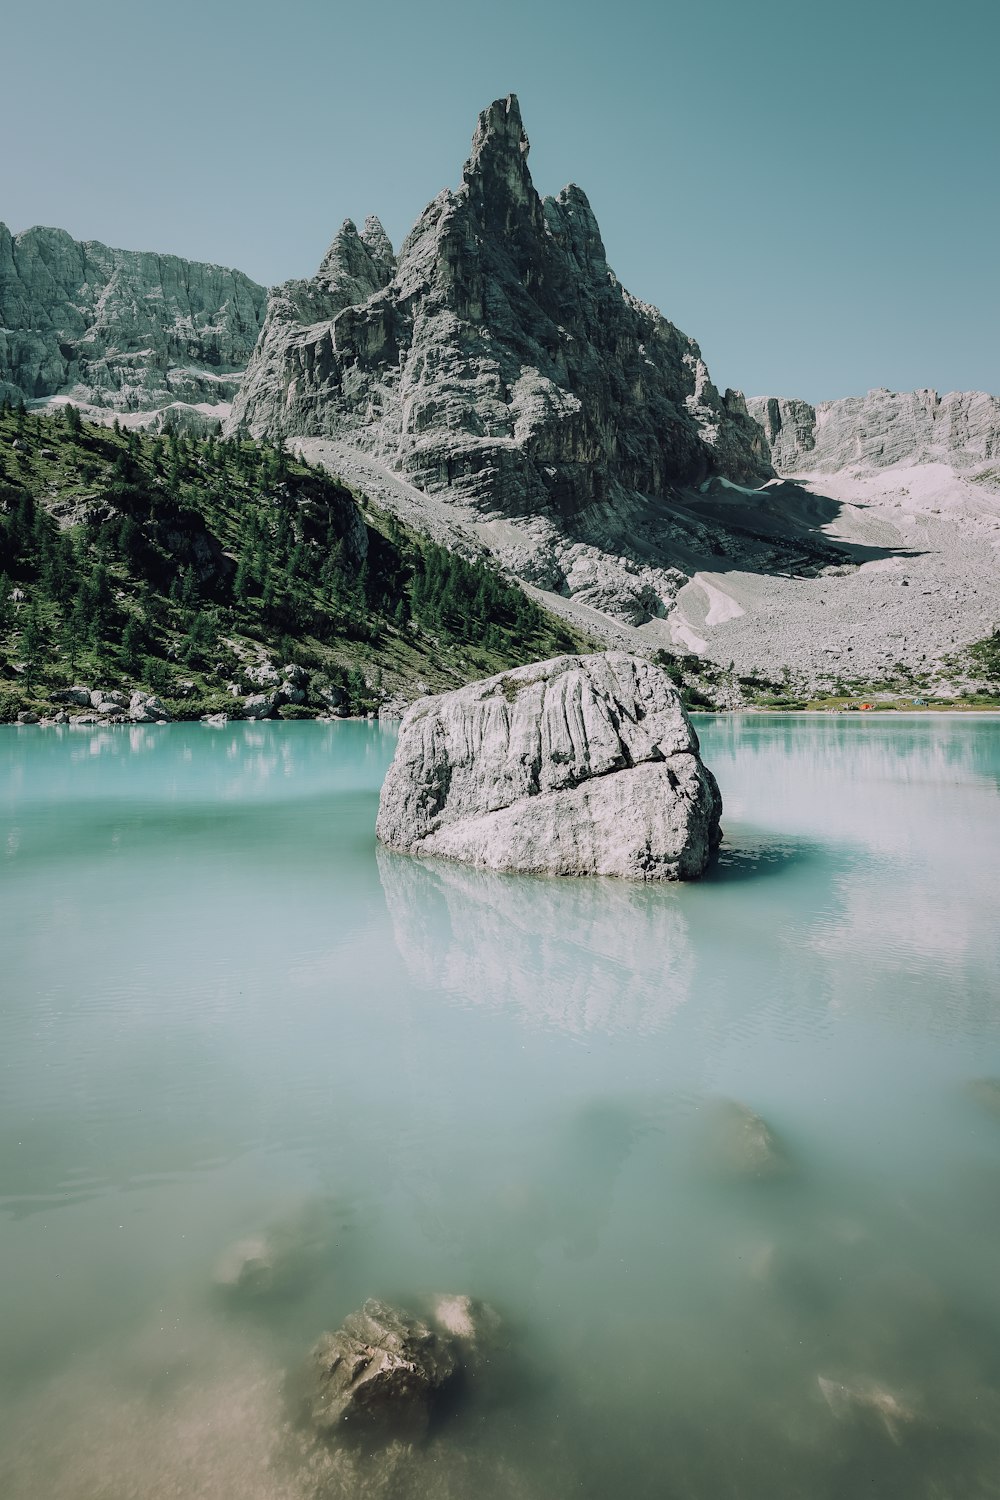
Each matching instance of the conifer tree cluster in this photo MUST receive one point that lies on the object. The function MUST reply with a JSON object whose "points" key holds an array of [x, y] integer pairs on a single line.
{"points": [[160, 558]]}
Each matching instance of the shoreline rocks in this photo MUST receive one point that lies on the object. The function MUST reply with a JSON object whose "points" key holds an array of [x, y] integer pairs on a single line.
{"points": [[582, 765]]}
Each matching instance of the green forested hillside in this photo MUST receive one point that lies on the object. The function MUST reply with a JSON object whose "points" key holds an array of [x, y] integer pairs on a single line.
{"points": [[175, 564]]}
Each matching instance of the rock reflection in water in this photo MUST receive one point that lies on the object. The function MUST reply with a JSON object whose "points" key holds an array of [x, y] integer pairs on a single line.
{"points": [[576, 955]]}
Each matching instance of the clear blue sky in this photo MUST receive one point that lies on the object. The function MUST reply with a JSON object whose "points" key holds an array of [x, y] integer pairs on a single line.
{"points": [[809, 190]]}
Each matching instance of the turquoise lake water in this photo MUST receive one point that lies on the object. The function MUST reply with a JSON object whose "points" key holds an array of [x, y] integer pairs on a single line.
{"points": [[227, 1016]]}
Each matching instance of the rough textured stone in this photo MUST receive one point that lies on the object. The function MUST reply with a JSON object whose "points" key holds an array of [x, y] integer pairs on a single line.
{"points": [[382, 1371], [147, 708], [106, 699], [583, 765], [79, 696], [124, 329], [385, 1372], [499, 358], [881, 429], [260, 705]]}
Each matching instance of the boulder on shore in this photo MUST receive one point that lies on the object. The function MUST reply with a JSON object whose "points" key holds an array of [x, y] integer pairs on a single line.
{"points": [[147, 708], [582, 765], [260, 705], [78, 696]]}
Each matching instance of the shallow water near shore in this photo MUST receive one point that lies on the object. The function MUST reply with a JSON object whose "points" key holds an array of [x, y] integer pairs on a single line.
{"points": [[227, 1018]]}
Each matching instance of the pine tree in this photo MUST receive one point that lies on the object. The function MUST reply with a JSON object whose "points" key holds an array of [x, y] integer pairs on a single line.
{"points": [[133, 643], [241, 583], [32, 646], [6, 606]]}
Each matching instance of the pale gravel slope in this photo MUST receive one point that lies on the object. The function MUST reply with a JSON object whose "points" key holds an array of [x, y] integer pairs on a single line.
{"points": [[939, 590]]}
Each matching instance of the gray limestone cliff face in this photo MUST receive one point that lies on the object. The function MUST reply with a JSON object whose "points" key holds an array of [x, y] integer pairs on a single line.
{"points": [[880, 429], [128, 330], [498, 358], [582, 765]]}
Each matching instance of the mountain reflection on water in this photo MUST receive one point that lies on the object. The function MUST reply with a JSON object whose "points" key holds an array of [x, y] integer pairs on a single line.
{"points": [[256, 1070]]}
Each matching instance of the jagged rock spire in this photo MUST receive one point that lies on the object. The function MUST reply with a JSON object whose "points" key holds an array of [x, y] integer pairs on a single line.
{"points": [[499, 133], [499, 358], [350, 268], [378, 242], [341, 249], [496, 176]]}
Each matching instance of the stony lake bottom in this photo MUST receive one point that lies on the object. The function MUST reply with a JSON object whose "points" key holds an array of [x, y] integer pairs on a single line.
{"points": [[228, 1018]]}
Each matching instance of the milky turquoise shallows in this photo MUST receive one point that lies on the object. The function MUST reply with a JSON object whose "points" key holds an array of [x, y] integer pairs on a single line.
{"points": [[222, 1009]]}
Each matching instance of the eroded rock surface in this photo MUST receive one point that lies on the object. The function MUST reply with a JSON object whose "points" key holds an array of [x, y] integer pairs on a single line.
{"points": [[582, 765], [385, 1372]]}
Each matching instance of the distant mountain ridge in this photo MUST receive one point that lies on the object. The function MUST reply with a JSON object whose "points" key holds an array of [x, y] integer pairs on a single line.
{"points": [[128, 330], [880, 429]]}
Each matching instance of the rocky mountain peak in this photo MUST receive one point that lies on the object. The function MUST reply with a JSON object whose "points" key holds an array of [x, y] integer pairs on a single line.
{"points": [[128, 330], [573, 226], [498, 361], [499, 136], [496, 179], [378, 242], [351, 271]]}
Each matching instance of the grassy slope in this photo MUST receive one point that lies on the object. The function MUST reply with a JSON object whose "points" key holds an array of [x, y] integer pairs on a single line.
{"points": [[128, 560]]}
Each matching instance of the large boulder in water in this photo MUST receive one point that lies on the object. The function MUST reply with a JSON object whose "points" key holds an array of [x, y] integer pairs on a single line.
{"points": [[582, 765]]}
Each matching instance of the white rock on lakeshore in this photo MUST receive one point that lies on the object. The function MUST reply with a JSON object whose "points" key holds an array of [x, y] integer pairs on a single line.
{"points": [[582, 765], [260, 705], [147, 708], [77, 696], [108, 701]]}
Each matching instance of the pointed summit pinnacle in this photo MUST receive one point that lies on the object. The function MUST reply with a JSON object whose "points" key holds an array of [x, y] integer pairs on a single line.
{"points": [[499, 133], [350, 270], [496, 176], [378, 242]]}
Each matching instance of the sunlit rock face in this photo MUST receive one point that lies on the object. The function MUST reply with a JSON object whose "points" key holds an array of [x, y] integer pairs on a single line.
{"points": [[879, 430], [124, 329], [583, 765], [499, 358]]}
